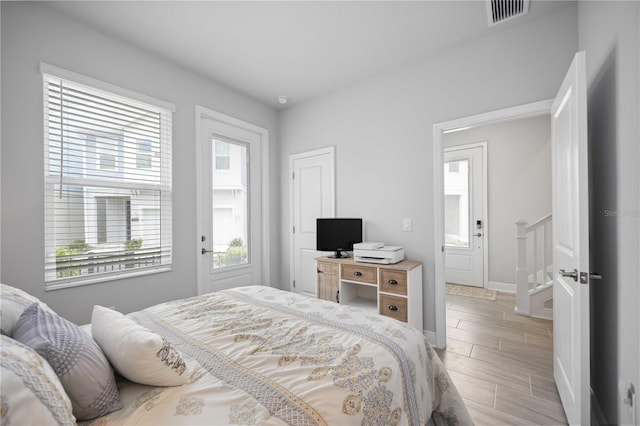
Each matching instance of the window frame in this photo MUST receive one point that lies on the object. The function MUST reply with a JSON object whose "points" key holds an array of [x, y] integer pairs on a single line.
{"points": [[163, 183]]}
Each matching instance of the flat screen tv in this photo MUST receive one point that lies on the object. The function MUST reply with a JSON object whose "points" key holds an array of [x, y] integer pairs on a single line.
{"points": [[338, 235]]}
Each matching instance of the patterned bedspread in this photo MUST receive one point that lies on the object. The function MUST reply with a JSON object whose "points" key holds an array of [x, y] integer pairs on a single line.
{"points": [[274, 357]]}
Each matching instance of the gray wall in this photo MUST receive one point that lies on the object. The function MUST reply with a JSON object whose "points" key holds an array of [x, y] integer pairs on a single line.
{"points": [[31, 34], [518, 181], [609, 32], [382, 128]]}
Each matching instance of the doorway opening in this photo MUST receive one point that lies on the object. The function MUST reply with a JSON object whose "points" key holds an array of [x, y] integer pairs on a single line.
{"points": [[482, 329], [442, 133]]}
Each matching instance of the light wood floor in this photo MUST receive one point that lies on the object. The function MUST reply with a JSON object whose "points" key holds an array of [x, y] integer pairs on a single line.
{"points": [[501, 363]]}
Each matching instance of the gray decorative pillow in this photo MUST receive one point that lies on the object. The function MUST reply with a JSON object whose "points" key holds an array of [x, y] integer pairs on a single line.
{"points": [[78, 361]]}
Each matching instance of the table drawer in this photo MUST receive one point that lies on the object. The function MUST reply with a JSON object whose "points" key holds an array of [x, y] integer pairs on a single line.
{"points": [[364, 274], [393, 281], [394, 307], [328, 268]]}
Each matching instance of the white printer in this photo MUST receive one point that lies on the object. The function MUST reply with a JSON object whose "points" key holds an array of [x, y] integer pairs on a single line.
{"points": [[373, 252]]}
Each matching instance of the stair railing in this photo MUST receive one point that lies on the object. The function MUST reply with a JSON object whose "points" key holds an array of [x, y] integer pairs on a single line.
{"points": [[533, 268]]}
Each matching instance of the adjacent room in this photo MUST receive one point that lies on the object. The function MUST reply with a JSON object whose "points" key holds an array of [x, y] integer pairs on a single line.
{"points": [[181, 173]]}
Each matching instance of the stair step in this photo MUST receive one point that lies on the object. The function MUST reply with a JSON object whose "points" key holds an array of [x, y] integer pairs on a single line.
{"points": [[541, 301]]}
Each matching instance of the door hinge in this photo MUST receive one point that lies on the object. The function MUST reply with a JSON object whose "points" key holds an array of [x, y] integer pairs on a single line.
{"points": [[294, 229], [293, 175], [294, 283]]}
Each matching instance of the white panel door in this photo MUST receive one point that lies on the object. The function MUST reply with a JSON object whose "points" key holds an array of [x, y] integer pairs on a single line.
{"points": [[570, 192], [312, 197], [464, 216]]}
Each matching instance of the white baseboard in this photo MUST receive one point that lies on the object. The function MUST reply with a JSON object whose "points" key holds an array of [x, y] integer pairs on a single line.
{"points": [[506, 287]]}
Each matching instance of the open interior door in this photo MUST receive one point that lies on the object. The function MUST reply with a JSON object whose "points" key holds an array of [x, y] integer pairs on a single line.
{"points": [[570, 194]]}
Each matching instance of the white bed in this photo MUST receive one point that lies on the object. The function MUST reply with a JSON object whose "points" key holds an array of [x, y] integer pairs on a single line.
{"points": [[257, 355]]}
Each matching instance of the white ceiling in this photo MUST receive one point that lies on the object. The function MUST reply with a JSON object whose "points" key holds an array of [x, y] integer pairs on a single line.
{"points": [[300, 49]]}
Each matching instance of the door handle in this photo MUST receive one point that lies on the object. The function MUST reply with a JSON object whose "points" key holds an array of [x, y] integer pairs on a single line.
{"points": [[205, 251], [573, 274], [479, 234]]}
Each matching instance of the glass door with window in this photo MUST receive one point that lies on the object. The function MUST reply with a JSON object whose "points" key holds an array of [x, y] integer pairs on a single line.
{"points": [[230, 198], [463, 212]]}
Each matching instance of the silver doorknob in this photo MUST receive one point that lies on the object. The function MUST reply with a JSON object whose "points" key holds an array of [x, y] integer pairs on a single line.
{"points": [[573, 274], [479, 234]]}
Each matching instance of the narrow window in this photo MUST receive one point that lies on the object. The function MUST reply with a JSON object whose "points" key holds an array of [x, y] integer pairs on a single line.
{"points": [[230, 197]]}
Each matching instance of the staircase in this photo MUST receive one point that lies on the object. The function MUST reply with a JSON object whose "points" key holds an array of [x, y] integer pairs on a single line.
{"points": [[534, 270]]}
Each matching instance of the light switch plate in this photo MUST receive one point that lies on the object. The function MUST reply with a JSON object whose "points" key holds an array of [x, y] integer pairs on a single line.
{"points": [[407, 224]]}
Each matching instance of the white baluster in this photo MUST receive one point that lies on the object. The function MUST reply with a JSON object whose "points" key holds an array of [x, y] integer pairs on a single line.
{"points": [[522, 275], [535, 259]]}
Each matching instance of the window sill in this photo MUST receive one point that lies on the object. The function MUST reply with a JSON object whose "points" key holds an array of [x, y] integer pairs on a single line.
{"points": [[105, 278]]}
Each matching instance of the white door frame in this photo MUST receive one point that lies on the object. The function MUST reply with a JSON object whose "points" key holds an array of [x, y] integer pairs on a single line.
{"points": [[206, 113], [322, 151], [507, 114], [485, 209]]}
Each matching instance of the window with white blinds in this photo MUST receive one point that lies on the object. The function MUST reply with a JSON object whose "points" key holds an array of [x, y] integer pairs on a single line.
{"points": [[107, 182]]}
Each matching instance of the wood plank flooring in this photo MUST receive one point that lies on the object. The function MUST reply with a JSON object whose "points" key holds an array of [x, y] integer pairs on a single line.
{"points": [[501, 363]]}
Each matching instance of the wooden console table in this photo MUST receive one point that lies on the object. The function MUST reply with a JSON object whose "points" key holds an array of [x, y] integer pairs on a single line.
{"points": [[393, 290]]}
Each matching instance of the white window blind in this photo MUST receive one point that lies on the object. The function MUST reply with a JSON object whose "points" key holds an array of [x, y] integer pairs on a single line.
{"points": [[107, 184]]}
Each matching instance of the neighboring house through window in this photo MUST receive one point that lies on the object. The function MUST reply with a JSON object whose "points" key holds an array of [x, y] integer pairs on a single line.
{"points": [[107, 181], [223, 155], [144, 155]]}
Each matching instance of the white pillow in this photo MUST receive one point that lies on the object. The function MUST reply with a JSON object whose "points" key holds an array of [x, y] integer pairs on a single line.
{"points": [[137, 353]]}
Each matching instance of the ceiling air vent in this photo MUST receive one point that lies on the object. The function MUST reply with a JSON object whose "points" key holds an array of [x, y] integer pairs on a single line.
{"points": [[499, 11]]}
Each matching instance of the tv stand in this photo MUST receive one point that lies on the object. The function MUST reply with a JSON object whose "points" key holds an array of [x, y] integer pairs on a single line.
{"points": [[339, 255], [393, 290]]}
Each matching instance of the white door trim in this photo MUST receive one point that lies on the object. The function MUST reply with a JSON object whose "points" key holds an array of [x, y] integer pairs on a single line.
{"points": [[521, 111], [322, 151], [485, 207], [202, 113]]}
